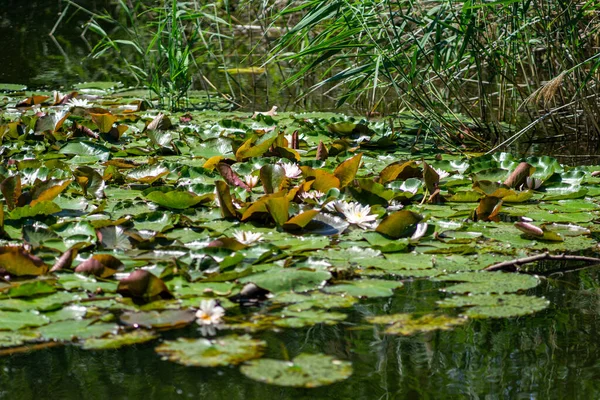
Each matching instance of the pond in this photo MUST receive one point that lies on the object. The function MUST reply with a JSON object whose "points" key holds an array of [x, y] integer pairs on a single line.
{"points": [[124, 191]]}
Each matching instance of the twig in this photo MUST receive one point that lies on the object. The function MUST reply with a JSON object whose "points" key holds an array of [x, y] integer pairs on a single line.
{"points": [[513, 265]]}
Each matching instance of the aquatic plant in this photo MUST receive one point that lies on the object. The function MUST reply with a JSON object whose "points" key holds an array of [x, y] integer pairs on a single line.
{"points": [[509, 66]]}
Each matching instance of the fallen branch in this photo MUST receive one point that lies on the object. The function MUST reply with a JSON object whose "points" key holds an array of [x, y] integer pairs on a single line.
{"points": [[513, 265]]}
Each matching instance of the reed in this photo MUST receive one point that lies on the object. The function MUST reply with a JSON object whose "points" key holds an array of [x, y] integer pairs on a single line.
{"points": [[504, 65]]}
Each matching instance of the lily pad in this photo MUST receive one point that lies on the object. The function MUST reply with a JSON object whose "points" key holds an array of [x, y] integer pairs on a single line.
{"points": [[489, 282], [408, 324], [365, 288], [118, 341], [228, 350], [496, 306], [306, 370]]}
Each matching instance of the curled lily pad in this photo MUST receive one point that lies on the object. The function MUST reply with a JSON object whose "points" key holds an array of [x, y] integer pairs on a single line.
{"points": [[143, 285], [228, 350], [408, 324], [101, 265], [16, 261], [117, 341], [496, 306], [306, 370]]}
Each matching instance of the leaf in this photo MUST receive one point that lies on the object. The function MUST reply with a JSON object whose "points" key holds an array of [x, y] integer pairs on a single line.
{"points": [[47, 190], [76, 329], [496, 306], [10, 320], [224, 351], [431, 178], [225, 202], [247, 150], [346, 171], [175, 199], [306, 370], [408, 324], [148, 173], [482, 282], [117, 341], [100, 265], [11, 190], [272, 177], [90, 181], [300, 221], [231, 177], [142, 284], [488, 208], [288, 279], [168, 319], [399, 224], [365, 288], [104, 122], [16, 261], [401, 171], [278, 209]]}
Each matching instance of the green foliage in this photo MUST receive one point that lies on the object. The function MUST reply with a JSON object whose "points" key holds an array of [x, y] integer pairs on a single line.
{"points": [[159, 45], [489, 61]]}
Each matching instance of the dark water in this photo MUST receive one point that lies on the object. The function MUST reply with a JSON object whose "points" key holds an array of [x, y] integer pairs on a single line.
{"points": [[552, 355]]}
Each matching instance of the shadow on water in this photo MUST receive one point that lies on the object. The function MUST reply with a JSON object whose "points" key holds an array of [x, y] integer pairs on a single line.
{"points": [[553, 354]]}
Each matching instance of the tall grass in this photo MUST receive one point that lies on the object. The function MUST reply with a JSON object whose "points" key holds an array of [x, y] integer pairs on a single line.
{"points": [[509, 66], [160, 45]]}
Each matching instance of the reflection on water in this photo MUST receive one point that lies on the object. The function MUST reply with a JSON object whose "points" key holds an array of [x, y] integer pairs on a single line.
{"points": [[553, 354]]}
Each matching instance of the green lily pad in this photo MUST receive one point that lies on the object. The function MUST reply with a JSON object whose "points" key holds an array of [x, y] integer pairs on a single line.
{"points": [[299, 319], [298, 280], [175, 199], [306, 370], [496, 306], [118, 341], [69, 330], [10, 320], [408, 324], [365, 288], [489, 282], [169, 319], [228, 350]]}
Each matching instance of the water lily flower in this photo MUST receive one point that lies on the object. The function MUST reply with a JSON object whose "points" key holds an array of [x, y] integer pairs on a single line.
{"points": [[441, 173], [291, 170], [314, 195], [533, 183], [209, 313], [84, 103], [359, 215], [251, 181], [247, 237]]}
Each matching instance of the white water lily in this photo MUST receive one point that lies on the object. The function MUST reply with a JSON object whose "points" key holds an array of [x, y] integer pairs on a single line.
{"points": [[291, 170], [359, 215], [251, 180], [441, 173], [84, 103], [533, 183], [314, 195], [209, 313], [247, 237]]}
